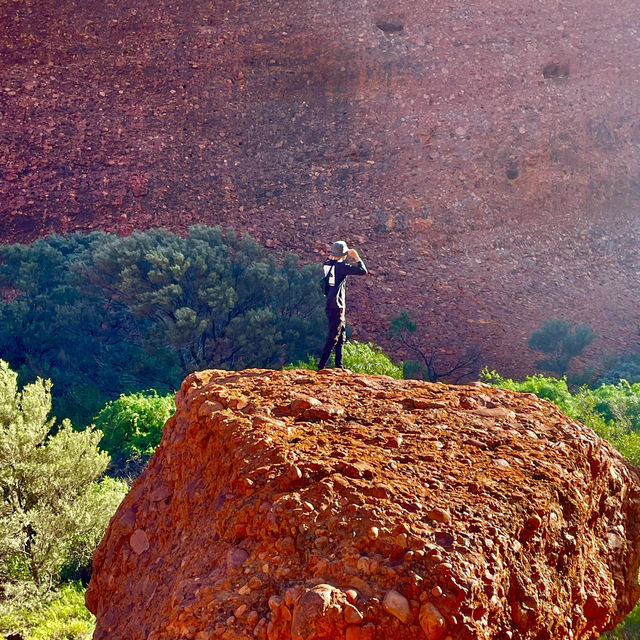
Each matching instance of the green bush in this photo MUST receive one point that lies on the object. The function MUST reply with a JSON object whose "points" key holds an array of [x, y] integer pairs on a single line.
{"points": [[102, 315], [53, 511], [310, 363], [549, 388], [62, 616], [561, 343], [98, 504], [367, 357], [619, 402], [360, 357], [626, 367], [132, 428]]}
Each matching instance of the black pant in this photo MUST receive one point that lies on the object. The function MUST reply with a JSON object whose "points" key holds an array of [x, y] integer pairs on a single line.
{"points": [[337, 337]]}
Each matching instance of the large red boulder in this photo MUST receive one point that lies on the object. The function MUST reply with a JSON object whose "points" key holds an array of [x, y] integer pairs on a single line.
{"points": [[293, 505]]}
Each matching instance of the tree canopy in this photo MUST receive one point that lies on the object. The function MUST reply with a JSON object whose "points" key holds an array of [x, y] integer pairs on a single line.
{"points": [[561, 343], [101, 315]]}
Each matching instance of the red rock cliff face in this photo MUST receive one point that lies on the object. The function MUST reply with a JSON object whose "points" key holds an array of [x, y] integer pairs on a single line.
{"points": [[482, 156], [302, 506]]}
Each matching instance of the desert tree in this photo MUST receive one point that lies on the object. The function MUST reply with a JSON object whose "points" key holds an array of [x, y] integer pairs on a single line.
{"points": [[54, 509], [217, 299], [560, 342], [428, 361]]}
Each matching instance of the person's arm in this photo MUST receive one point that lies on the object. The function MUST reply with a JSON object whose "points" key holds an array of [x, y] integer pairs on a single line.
{"points": [[354, 265]]}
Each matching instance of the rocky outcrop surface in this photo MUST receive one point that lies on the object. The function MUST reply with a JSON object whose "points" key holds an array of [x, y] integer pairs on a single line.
{"points": [[323, 506], [483, 157]]}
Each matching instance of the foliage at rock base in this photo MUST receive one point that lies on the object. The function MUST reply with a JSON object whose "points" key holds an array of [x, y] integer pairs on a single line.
{"points": [[63, 616], [54, 510], [359, 357]]}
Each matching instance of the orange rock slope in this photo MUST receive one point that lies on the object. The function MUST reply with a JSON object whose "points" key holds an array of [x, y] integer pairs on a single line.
{"points": [[298, 505]]}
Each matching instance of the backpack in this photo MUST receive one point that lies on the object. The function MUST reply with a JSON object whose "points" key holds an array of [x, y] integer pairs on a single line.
{"points": [[329, 278]]}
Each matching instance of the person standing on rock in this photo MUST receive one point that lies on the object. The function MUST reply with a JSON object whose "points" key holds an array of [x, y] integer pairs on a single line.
{"points": [[342, 262]]}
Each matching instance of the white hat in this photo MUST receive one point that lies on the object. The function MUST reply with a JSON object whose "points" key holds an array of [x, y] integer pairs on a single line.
{"points": [[339, 249]]}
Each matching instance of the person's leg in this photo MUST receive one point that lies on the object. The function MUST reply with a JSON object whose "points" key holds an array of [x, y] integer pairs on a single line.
{"points": [[342, 337], [333, 316]]}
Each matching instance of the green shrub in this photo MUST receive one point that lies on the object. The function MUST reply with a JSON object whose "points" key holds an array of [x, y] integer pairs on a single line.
{"points": [[360, 357], [52, 507], [62, 616], [102, 314], [619, 402], [99, 503], [310, 363], [549, 388], [561, 343], [367, 357], [132, 428]]}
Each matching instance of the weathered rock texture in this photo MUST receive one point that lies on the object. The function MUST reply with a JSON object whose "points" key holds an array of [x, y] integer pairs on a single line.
{"points": [[295, 505], [484, 156]]}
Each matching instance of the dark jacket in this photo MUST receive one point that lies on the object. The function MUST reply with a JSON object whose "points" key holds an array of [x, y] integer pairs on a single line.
{"points": [[337, 280]]}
